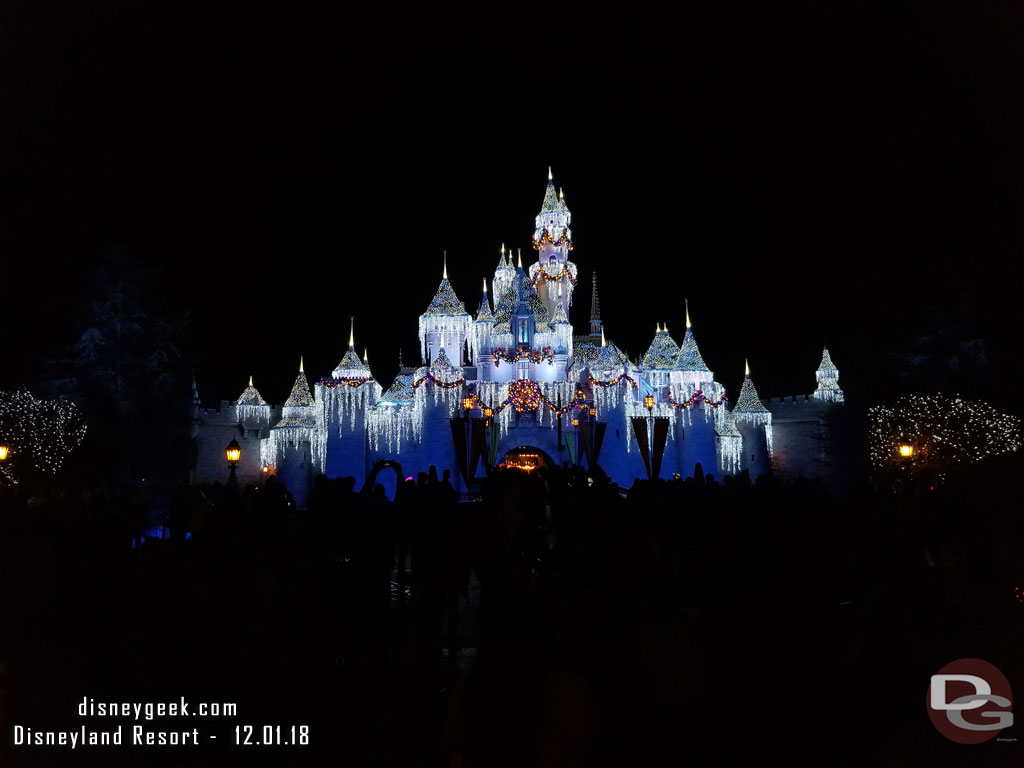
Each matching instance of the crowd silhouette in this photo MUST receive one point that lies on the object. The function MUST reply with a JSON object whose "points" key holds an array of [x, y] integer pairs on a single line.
{"points": [[553, 619]]}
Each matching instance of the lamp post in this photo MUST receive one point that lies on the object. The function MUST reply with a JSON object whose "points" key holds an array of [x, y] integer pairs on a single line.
{"points": [[467, 409], [906, 451], [4, 450], [234, 453]]}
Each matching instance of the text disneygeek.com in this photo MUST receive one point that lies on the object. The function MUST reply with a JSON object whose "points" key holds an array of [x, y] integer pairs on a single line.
{"points": [[213, 730]]}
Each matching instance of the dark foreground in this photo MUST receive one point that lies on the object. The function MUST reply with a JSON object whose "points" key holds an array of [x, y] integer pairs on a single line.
{"points": [[554, 623]]}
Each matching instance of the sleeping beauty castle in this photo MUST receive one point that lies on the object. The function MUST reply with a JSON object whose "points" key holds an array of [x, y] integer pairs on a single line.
{"points": [[512, 384]]}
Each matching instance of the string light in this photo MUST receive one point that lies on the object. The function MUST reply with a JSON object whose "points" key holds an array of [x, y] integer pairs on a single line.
{"points": [[41, 434], [942, 431]]}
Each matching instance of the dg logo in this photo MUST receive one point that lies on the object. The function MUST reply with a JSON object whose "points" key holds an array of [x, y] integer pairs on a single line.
{"points": [[969, 701]]}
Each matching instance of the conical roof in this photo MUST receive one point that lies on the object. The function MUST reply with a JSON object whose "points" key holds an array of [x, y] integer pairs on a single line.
{"points": [[443, 370], [662, 354], [300, 394], [400, 391], [559, 316], [351, 367], [445, 303], [551, 203], [748, 401], [251, 396], [827, 366], [484, 314], [689, 358]]}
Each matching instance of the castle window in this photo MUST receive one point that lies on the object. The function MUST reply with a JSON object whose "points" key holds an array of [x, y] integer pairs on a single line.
{"points": [[523, 369]]}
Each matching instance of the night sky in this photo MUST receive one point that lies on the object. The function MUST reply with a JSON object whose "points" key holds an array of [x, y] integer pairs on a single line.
{"points": [[848, 175]]}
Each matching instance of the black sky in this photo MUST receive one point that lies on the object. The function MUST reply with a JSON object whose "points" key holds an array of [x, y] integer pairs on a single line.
{"points": [[802, 175]]}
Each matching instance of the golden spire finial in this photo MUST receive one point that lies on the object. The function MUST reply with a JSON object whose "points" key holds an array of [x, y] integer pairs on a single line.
{"points": [[687, 303], [602, 337], [746, 367], [445, 275], [352, 332], [550, 177], [250, 381], [561, 194], [520, 258], [300, 365], [485, 285], [366, 357]]}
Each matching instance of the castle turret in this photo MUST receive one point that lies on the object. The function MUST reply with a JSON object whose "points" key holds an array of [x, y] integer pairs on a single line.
{"points": [[562, 330], [480, 339], [754, 423], [291, 449], [251, 408], [552, 239], [690, 367], [503, 276], [595, 312], [341, 407], [828, 381], [445, 323]]}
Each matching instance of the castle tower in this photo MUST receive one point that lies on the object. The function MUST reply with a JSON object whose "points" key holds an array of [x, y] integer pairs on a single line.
{"points": [[480, 339], [552, 239], [754, 423], [503, 276], [595, 312], [690, 367], [562, 329], [828, 381], [341, 406], [660, 359], [251, 409], [445, 323], [290, 449]]}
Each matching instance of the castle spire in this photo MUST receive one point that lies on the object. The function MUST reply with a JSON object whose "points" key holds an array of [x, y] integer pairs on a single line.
{"points": [[595, 308], [689, 360], [352, 332], [484, 312], [550, 204], [827, 376], [520, 264], [299, 396], [748, 404], [444, 276]]}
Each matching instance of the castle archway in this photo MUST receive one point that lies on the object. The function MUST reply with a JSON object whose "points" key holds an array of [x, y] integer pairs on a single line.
{"points": [[526, 458]]}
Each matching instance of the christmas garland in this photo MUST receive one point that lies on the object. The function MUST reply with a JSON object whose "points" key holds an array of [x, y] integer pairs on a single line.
{"points": [[525, 395], [563, 239], [331, 383], [697, 395], [612, 383], [501, 355], [565, 273], [438, 382]]}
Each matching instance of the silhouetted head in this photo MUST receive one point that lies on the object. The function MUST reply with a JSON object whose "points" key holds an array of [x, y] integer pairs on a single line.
{"points": [[446, 475]]}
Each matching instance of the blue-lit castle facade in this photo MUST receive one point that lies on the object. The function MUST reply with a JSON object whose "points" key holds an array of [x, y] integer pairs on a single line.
{"points": [[512, 384]]}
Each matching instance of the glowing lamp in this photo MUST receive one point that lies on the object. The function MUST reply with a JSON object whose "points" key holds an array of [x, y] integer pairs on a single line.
{"points": [[488, 412], [266, 469], [3, 452], [906, 451], [467, 403], [593, 411], [234, 452], [575, 422], [649, 402]]}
